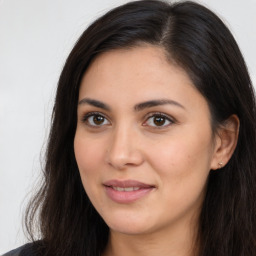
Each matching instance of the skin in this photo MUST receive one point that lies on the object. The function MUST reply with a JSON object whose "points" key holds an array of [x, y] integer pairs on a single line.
{"points": [[174, 154]]}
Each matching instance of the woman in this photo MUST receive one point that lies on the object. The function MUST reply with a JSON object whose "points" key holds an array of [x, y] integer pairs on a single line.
{"points": [[152, 138]]}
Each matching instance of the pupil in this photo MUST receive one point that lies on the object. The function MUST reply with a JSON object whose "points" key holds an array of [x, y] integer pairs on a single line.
{"points": [[98, 119], [159, 121]]}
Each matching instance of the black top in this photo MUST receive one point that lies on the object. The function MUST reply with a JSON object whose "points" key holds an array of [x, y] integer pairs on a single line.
{"points": [[25, 250]]}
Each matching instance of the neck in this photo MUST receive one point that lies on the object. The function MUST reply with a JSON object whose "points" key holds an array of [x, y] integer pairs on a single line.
{"points": [[179, 240]]}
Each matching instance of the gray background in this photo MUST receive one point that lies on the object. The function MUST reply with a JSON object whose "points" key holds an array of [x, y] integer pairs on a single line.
{"points": [[35, 38]]}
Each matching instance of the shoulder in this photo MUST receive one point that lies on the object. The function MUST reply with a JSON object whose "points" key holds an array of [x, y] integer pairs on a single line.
{"points": [[25, 250]]}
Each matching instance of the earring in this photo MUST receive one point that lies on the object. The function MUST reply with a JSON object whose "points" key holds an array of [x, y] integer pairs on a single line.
{"points": [[220, 165]]}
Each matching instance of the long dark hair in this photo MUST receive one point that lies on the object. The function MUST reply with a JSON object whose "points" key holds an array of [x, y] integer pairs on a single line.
{"points": [[197, 40]]}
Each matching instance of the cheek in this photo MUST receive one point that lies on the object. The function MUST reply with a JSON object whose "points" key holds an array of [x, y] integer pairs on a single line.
{"points": [[184, 169], [183, 159], [89, 155]]}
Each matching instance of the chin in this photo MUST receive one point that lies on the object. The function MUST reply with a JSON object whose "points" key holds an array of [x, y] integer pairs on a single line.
{"points": [[129, 226], [129, 229]]}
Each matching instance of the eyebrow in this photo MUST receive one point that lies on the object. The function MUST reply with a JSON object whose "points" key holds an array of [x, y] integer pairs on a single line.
{"points": [[153, 103], [137, 107], [94, 103]]}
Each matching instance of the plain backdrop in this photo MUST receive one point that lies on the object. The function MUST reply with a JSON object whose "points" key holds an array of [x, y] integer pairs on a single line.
{"points": [[35, 39]]}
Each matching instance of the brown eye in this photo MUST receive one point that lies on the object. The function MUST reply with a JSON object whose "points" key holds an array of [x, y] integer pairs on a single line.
{"points": [[96, 120], [158, 120]]}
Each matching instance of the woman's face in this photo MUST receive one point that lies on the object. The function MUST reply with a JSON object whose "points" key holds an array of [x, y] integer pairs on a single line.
{"points": [[144, 144]]}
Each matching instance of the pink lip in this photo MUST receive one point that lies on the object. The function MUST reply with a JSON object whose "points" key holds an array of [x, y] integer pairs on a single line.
{"points": [[125, 197]]}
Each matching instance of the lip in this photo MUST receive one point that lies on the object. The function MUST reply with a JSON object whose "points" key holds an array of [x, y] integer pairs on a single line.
{"points": [[140, 190]]}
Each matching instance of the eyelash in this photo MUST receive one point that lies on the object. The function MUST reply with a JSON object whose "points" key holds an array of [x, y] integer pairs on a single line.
{"points": [[159, 115], [86, 117]]}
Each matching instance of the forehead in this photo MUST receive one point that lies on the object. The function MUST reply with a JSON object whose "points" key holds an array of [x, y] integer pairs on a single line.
{"points": [[141, 66]]}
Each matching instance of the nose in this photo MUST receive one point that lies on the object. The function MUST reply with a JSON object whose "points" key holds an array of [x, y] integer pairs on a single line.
{"points": [[124, 149]]}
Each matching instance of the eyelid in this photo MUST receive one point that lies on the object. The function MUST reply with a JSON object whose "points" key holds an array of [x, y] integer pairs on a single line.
{"points": [[153, 114], [92, 113]]}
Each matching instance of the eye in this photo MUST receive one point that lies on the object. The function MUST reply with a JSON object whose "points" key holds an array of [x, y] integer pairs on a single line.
{"points": [[95, 119], [158, 120]]}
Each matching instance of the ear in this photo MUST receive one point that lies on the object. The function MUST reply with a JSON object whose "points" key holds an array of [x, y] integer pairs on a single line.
{"points": [[225, 142]]}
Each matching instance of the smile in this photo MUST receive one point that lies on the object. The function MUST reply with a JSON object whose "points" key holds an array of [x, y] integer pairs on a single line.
{"points": [[127, 191]]}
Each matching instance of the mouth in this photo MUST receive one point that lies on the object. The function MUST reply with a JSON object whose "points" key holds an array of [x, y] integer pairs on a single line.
{"points": [[127, 191]]}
